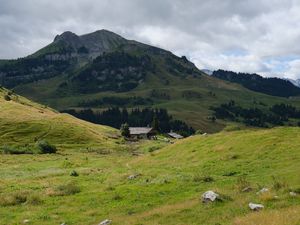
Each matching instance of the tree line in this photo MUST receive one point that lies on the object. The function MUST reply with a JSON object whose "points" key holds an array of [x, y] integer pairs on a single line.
{"points": [[115, 117], [277, 115], [271, 86]]}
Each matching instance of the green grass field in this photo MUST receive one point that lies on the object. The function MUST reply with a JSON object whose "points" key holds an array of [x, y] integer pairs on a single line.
{"points": [[86, 181], [169, 186]]}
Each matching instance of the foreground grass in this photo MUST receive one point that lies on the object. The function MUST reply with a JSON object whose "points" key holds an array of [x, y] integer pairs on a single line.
{"points": [[169, 184]]}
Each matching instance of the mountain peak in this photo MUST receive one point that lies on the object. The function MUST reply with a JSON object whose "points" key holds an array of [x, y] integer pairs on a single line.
{"points": [[95, 43], [66, 36]]}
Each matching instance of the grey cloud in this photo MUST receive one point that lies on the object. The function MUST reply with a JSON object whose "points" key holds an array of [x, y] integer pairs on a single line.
{"points": [[204, 30]]}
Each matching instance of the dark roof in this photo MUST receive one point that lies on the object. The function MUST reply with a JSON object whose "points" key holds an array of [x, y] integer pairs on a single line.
{"points": [[174, 135], [140, 130]]}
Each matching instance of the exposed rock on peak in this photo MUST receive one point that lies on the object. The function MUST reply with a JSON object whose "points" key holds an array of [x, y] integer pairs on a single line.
{"points": [[66, 36], [94, 43]]}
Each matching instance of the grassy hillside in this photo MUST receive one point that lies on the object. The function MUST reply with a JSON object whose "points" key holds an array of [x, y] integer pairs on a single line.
{"points": [[84, 69], [169, 184], [189, 99], [23, 122]]}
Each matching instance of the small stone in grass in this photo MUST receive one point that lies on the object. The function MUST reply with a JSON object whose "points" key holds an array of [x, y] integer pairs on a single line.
{"points": [[133, 176], [255, 207], [209, 196], [105, 222], [262, 191], [247, 189]]}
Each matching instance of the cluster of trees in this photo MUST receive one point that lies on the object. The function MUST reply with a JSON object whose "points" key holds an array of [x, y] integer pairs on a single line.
{"points": [[159, 94], [30, 69], [116, 71], [115, 117], [180, 66], [116, 101], [255, 82], [277, 115]]}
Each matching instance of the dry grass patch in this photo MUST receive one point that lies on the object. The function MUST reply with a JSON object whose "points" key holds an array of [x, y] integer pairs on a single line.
{"points": [[289, 216], [20, 197], [64, 190]]}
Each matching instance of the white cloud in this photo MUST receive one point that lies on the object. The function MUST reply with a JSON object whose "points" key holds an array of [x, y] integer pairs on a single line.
{"points": [[259, 36]]}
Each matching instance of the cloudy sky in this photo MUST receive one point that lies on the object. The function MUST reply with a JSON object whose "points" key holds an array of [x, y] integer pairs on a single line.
{"points": [[259, 36]]}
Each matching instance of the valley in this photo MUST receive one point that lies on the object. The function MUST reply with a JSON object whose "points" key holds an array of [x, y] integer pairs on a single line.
{"points": [[64, 77], [59, 169]]}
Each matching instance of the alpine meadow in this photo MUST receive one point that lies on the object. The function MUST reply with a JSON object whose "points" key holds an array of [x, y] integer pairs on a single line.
{"points": [[100, 124]]}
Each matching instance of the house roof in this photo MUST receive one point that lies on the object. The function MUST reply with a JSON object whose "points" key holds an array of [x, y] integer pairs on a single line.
{"points": [[140, 130], [174, 135]]}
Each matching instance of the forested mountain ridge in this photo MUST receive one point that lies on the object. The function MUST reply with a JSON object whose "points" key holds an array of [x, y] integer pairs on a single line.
{"points": [[271, 86]]}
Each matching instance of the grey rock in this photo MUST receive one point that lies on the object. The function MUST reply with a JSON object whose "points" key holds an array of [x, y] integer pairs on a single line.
{"points": [[262, 191], [105, 222], [133, 176], [293, 194], [255, 207], [247, 189], [209, 196]]}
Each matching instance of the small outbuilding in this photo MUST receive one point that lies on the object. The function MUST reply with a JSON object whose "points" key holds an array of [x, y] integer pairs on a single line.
{"points": [[141, 132], [175, 135]]}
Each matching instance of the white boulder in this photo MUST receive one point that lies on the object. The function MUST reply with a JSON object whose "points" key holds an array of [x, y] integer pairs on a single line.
{"points": [[255, 207], [133, 176], [209, 196], [263, 191], [105, 222], [293, 194]]}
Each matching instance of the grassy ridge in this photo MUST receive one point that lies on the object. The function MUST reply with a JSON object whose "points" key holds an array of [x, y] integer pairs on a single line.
{"points": [[169, 186], [24, 122]]}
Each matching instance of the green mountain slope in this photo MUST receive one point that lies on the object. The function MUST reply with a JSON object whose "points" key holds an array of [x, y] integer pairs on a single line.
{"points": [[23, 122], [77, 71], [169, 184], [272, 86]]}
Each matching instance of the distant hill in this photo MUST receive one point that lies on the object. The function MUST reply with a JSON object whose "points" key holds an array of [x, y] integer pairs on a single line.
{"points": [[255, 82], [208, 72], [102, 70], [294, 82]]}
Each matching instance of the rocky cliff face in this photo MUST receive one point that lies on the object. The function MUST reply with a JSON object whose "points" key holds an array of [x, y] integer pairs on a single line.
{"points": [[91, 45]]}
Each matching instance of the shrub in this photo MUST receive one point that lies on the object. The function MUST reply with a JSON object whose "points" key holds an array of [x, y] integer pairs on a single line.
{"points": [[74, 174], [297, 190], [199, 132], [34, 200], [16, 198], [125, 130], [7, 98], [117, 197], [45, 147], [64, 190]]}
